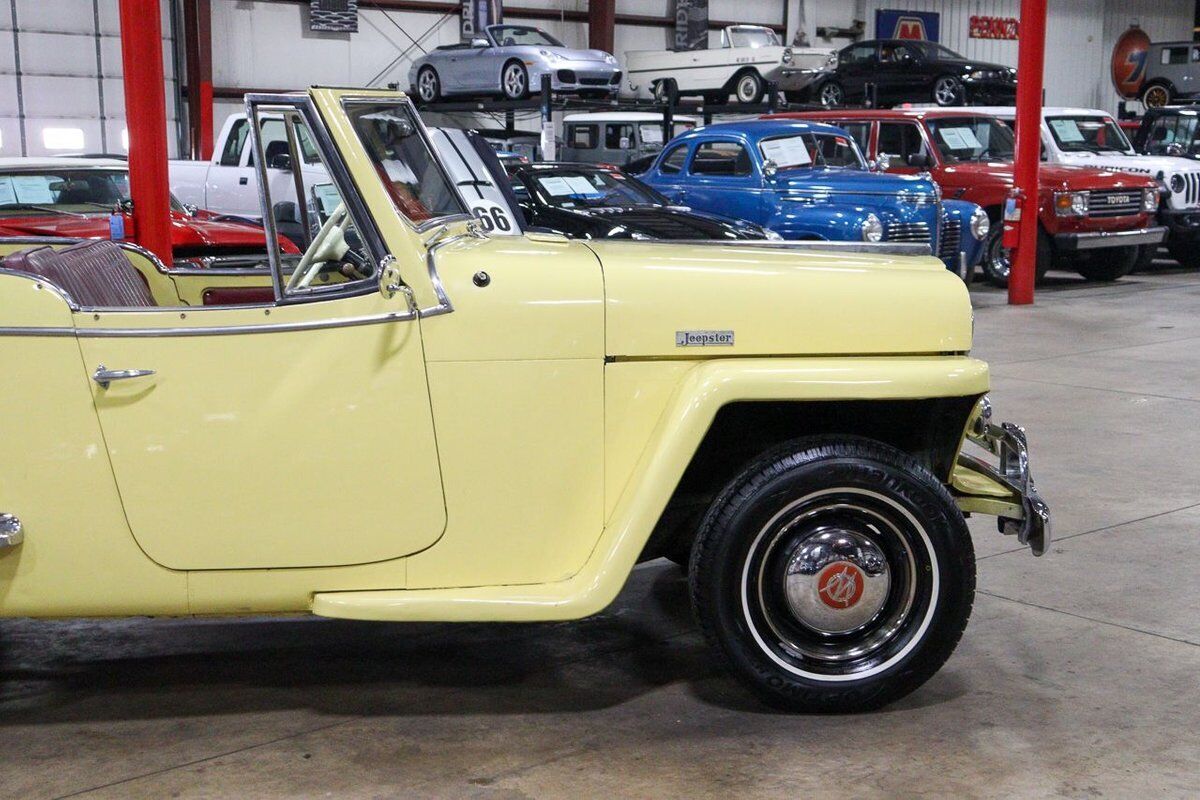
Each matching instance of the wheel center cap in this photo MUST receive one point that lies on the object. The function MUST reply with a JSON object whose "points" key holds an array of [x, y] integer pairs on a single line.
{"points": [[840, 585]]}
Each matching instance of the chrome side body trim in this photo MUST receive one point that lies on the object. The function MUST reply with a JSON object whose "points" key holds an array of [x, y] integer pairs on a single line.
{"points": [[220, 330], [879, 248]]}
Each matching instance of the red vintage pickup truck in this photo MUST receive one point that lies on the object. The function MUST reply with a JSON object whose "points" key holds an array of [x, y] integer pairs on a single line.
{"points": [[73, 198], [1096, 222]]}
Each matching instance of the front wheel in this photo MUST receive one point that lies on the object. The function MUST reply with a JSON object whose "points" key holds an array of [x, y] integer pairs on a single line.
{"points": [[1186, 253], [514, 81], [429, 86], [832, 95], [947, 91], [1156, 96], [665, 89], [833, 574], [1108, 265], [997, 259], [749, 87]]}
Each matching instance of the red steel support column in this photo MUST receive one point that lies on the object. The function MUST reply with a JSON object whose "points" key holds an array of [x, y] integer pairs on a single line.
{"points": [[197, 28], [146, 117], [1031, 58], [602, 20]]}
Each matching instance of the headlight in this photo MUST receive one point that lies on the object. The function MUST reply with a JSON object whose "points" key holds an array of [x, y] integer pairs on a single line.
{"points": [[872, 229], [772, 236], [1149, 200], [787, 56], [980, 224], [1176, 182], [610, 59], [1071, 204], [551, 56], [981, 75]]}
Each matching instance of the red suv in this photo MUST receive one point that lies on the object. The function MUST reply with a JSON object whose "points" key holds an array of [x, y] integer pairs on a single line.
{"points": [[1096, 222]]}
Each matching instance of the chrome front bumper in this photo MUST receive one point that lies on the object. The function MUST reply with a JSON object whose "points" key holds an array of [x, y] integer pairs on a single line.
{"points": [[1094, 240], [1007, 490]]}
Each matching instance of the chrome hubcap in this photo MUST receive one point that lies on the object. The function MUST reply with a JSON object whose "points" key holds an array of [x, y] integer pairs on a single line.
{"points": [[836, 580], [747, 89], [999, 259], [831, 95], [1156, 97]]}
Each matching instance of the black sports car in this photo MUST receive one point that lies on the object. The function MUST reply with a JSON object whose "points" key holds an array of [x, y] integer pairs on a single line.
{"points": [[586, 201], [911, 71]]}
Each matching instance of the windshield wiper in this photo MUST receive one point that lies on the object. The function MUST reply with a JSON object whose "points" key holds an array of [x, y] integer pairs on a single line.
{"points": [[35, 207]]}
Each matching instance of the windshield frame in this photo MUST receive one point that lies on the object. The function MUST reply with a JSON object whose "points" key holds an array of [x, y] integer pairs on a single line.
{"points": [[75, 209], [934, 122], [815, 164], [1108, 123], [530, 177], [491, 31]]}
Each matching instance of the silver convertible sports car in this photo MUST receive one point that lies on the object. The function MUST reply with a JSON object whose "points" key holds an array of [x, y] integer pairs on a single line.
{"points": [[510, 60]]}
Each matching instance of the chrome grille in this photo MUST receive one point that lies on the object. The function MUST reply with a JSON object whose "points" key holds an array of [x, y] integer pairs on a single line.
{"points": [[951, 235], [1114, 202], [908, 232]]}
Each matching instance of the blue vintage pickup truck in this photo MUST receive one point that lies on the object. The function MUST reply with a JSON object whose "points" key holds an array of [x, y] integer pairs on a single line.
{"points": [[809, 181]]}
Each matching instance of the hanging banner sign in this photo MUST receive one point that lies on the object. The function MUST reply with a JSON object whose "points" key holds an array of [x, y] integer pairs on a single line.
{"points": [[339, 16], [891, 23], [477, 15], [994, 28], [691, 25]]}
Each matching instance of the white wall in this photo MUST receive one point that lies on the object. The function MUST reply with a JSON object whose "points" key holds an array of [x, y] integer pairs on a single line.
{"points": [[71, 74], [256, 43]]}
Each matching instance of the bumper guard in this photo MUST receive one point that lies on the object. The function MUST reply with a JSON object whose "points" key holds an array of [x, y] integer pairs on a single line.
{"points": [[1007, 491]]}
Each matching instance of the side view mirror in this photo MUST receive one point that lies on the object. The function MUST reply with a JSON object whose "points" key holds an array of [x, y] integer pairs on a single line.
{"points": [[1174, 149], [190, 209], [884, 162], [280, 161], [626, 144], [480, 42], [918, 160], [770, 169]]}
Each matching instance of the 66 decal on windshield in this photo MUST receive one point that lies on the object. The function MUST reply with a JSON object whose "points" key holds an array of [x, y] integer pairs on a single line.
{"points": [[492, 218], [704, 338]]}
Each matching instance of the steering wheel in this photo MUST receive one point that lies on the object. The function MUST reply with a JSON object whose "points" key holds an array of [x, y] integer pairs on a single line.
{"points": [[328, 245]]}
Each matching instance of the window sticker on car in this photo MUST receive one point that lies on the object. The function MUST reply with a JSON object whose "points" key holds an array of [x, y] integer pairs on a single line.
{"points": [[959, 138], [652, 134], [1067, 130], [33, 189], [790, 152], [581, 184], [556, 186]]}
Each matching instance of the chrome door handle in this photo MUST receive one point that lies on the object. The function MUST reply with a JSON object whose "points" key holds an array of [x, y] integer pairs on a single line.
{"points": [[105, 376]]}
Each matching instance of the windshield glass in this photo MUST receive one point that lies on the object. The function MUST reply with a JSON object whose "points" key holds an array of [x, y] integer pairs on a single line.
{"points": [[65, 191], [971, 138], [1170, 134], [585, 188], [937, 52], [809, 150], [413, 178], [1088, 135], [515, 35], [752, 36]]}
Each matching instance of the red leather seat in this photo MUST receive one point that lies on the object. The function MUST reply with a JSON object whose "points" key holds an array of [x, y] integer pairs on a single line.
{"points": [[93, 274]]}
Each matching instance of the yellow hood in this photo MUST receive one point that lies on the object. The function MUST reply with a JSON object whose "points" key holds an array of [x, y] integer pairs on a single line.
{"points": [[664, 299]]}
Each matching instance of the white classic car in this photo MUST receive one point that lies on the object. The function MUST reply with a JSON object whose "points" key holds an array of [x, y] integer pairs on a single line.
{"points": [[749, 58]]}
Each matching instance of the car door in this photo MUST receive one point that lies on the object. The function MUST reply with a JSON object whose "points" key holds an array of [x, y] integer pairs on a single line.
{"points": [[293, 434], [900, 77], [857, 66], [902, 142], [723, 178], [668, 176]]}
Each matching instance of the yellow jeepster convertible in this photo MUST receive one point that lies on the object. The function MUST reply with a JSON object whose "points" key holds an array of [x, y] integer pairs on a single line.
{"points": [[417, 422]]}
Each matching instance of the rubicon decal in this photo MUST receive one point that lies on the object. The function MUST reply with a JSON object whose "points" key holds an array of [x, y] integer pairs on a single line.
{"points": [[704, 338], [840, 585]]}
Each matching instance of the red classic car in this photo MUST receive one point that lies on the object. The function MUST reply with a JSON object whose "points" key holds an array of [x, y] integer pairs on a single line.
{"points": [[74, 198], [1096, 222]]}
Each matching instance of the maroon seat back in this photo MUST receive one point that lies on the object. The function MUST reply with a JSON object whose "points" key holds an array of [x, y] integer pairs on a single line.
{"points": [[94, 274]]}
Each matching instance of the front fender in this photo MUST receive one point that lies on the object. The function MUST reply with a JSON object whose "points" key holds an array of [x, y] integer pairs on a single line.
{"points": [[798, 221], [703, 391]]}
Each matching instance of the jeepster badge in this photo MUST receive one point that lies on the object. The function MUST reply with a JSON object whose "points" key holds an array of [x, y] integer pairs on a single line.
{"points": [[704, 338]]}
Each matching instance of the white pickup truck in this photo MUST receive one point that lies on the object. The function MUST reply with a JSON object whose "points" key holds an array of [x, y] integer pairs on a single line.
{"points": [[228, 182], [749, 58]]}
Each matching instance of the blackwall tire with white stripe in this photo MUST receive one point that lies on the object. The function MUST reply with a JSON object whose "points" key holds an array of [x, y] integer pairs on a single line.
{"points": [[833, 575]]}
